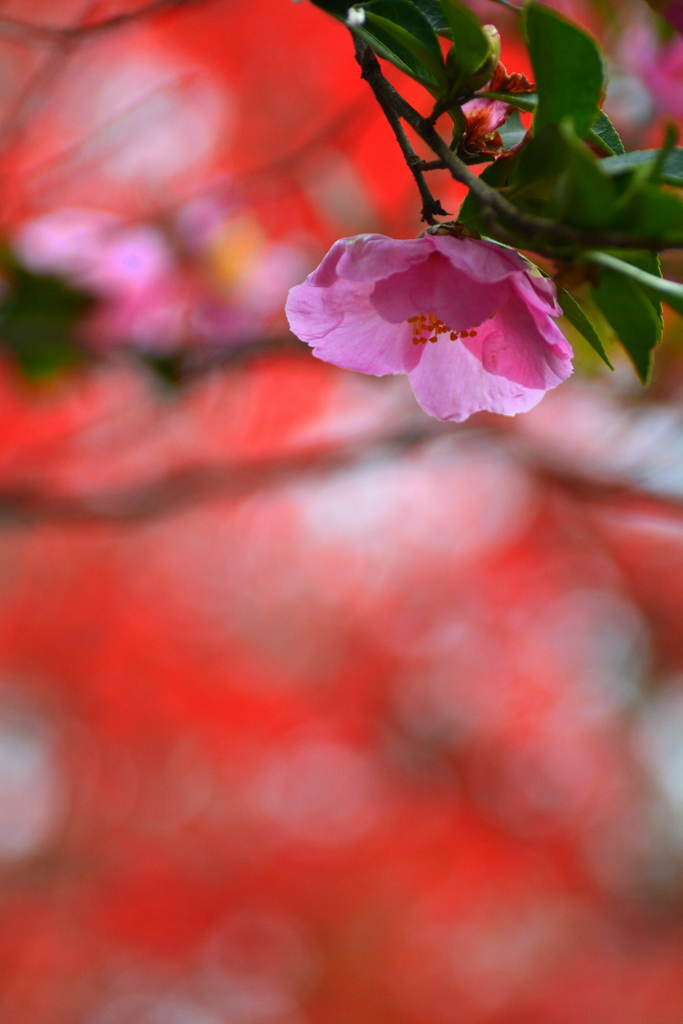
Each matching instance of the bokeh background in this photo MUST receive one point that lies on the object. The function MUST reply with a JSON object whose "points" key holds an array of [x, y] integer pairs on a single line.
{"points": [[313, 710]]}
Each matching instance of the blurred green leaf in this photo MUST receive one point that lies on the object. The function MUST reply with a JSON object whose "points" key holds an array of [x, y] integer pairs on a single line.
{"points": [[167, 369], [631, 315], [37, 321], [557, 176], [578, 318], [651, 213], [568, 69]]}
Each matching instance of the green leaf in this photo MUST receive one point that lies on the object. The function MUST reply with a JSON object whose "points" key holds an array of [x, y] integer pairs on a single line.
{"points": [[167, 369], [606, 133], [337, 8], [577, 317], [432, 11], [670, 291], [513, 131], [652, 213], [632, 316], [471, 45], [406, 37], [37, 321], [557, 176], [527, 101], [568, 69], [496, 174], [671, 172]]}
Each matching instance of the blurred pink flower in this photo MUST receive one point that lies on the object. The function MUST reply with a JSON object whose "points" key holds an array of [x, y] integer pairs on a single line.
{"points": [[156, 287], [659, 66], [374, 303]]}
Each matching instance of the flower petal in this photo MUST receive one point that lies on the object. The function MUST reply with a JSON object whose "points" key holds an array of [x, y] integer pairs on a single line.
{"points": [[538, 291], [437, 286], [482, 260], [488, 114], [373, 257], [523, 345], [343, 328], [451, 384]]}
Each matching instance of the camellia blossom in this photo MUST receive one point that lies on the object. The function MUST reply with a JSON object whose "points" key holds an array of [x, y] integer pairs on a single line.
{"points": [[483, 117], [468, 320]]}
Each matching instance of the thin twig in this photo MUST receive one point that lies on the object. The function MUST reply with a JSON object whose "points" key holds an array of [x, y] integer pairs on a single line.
{"points": [[525, 224], [431, 207], [432, 165], [39, 87]]}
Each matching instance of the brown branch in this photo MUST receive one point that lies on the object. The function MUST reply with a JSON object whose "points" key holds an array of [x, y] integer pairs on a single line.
{"points": [[209, 482], [185, 488], [527, 225], [431, 207], [69, 33]]}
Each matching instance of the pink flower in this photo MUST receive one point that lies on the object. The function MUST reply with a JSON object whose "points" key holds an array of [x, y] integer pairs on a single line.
{"points": [[154, 300], [483, 118], [468, 321], [659, 66]]}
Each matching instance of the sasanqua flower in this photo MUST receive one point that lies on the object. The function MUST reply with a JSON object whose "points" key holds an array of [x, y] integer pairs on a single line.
{"points": [[469, 321]]}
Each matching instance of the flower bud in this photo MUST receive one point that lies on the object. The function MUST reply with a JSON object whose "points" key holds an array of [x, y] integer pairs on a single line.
{"points": [[483, 73]]}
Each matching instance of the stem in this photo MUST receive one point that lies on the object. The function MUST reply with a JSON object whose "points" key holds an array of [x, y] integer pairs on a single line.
{"points": [[510, 6], [431, 207], [525, 224]]}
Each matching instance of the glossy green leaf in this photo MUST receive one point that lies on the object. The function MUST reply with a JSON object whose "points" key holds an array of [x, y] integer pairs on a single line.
{"points": [[399, 31], [578, 319], [671, 172], [432, 11], [606, 133], [568, 69], [631, 315], [471, 45]]}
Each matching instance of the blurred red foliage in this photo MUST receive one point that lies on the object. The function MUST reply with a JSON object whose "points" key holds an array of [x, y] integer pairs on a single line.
{"points": [[312, 709]]}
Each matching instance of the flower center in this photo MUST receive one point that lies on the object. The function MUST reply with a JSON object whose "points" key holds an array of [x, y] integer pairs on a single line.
{"points": [[427, 327]]}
